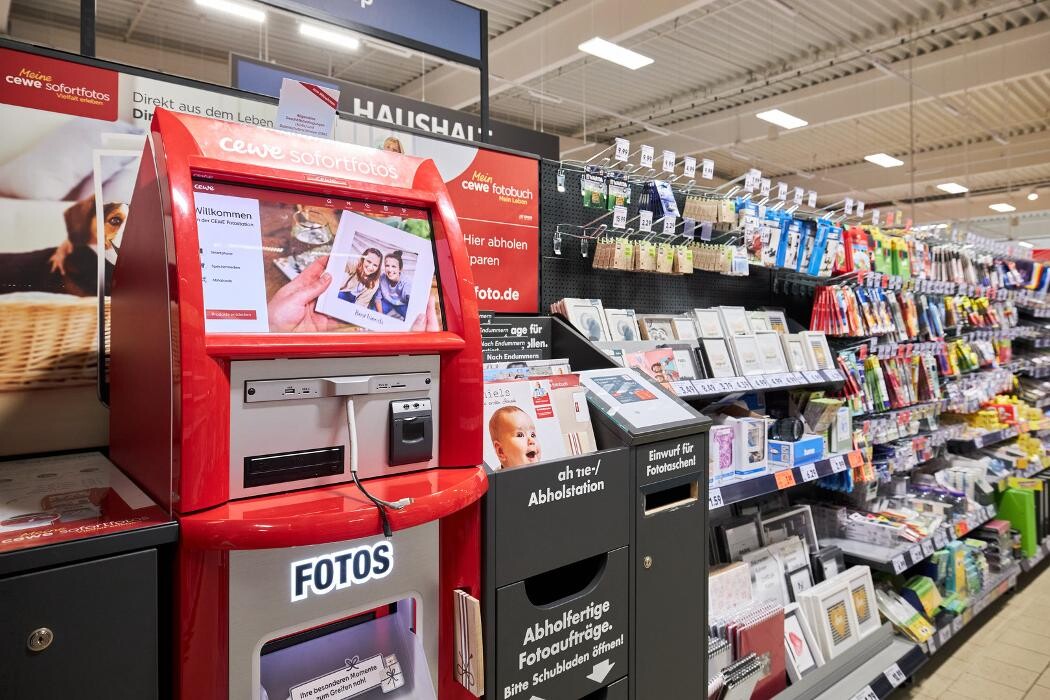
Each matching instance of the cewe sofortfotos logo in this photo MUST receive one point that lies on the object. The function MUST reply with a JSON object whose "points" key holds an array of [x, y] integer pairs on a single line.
{"points": [[44, 83]]}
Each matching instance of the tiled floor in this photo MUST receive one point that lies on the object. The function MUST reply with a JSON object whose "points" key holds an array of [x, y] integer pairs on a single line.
{"points": [[1004, 655]]}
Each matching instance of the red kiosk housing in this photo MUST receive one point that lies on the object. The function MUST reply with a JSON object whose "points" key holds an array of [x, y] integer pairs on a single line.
{"points": [[184, 407]]}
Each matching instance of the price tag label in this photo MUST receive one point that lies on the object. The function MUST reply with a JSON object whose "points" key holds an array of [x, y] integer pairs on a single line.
{"points": [[714, 499], [669, 225], [811, 199], [944, 634], [800, 192], [782, 191], [619, 217], [957, 624], [848, 208], [764, 189], [683, 388], [689, 166], [838, 464], [752, 179], [759, 382], [874, 217], [707, 168], [915, 554], [785, 479], [798, 378], [809, 473], [669, 159], [866, 693], [931, 645], [895, 675], [940, 538], [927, 548], [645, 221], [646, 157], [705, 386], [813, 376], [623, 149], [860, 208], [899, 564], [856, 459]]}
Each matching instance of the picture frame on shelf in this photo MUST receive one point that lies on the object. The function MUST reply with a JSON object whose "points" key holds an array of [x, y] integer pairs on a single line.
{"points": [[817, 350], [588, 316], [865, 606], [800, 646], [657, 327], [778, 321], [747, 355], [759, 321], [798, 581], [771, 352], [685, 359], [719, 360], [684, 328], [795, 521], [623, 324], [708, 323], [734, 320], [795, 352], [836, 622]]}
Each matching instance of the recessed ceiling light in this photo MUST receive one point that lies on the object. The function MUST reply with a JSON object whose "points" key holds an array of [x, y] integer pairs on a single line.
{"points": [[883, 159], [781, 119], [544, 97], [952, 188], [1025, 244], [614, 52], [1002, 207], [1032, 196], [243, 11], [340, 40]]}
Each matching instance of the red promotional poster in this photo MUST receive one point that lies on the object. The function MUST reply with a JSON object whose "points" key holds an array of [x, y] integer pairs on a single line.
{"points": [[58, 86], [497, 200]]}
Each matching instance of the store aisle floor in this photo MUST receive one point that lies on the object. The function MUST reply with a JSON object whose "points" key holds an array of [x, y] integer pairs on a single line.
{"points": [[1005, 657]]}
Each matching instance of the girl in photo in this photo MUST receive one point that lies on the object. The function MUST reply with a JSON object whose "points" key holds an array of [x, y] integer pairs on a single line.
{"points": [[362, 282], [394, 291]]}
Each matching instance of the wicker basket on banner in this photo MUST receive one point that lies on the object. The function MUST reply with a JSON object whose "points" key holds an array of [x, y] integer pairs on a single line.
{"points": [[48, 341]]}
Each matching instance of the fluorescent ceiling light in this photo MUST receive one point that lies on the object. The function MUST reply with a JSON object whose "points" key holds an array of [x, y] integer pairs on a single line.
{"points": [[613, 52], [392, 50], [340, 40], [1025, 244], [544, 97], [886, 161], [781, 119], [248, 12], [1002, 207], [952, 188], [656, 130], [1032, 196]]}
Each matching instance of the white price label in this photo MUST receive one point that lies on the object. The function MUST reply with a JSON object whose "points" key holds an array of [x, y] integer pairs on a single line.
{"points": [[838, 464], [705, 386], [875, 217], [714, 499], [899, 564], [669, 225], [866, 693], [915, 553], [689, 166], [944, 634], [860, 208], [894, 675], [752, 179], [809, 472], [707, 168], [940, 538], [811, 199], [623, 149], [759, 382], [927, 548], [669, 159], [645, 221], [683, 388], [849, 206], [800, 192], [957, 624], [646, 157], [764, 189], [619, 217], [782, 191]]}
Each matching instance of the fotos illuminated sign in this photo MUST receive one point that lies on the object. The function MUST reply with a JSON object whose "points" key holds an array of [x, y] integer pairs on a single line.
{"points": [[328, 572]]}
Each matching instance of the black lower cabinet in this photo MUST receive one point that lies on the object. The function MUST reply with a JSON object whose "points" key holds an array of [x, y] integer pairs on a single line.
{"points": [[84, 631]]}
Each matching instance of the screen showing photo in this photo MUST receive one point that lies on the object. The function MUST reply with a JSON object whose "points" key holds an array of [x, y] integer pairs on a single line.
{"points": [[282, 262]]}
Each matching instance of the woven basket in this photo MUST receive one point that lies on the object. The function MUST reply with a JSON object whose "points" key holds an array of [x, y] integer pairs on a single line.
{"points": [[48, 341]]}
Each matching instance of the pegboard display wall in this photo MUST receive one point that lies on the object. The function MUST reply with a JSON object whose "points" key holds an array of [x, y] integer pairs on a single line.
{"points": [[572, 275]]}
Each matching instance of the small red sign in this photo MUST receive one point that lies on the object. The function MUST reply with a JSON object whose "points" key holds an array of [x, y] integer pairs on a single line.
{"points": [[57, 86]]}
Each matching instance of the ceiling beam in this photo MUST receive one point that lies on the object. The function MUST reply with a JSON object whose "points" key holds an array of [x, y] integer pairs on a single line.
{"points": [[547, 42]]}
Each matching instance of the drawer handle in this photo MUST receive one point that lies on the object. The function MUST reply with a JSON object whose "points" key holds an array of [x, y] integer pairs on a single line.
{"points": [[40, 639]]}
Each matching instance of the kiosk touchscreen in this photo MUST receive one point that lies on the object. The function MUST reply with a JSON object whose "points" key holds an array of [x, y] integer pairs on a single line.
{"points": [[296, 371]]}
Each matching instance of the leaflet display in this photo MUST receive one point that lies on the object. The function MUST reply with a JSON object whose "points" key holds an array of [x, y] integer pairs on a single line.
{"points": [[278, 262]]}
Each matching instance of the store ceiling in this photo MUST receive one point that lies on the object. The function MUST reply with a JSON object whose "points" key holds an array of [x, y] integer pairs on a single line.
{"points": [[957, 89]]}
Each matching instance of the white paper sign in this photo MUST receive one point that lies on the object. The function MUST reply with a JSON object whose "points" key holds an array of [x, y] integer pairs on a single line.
{"points": [[714, 499], [764, 189], [358, 677], [645, 220], [849, 206], [809, 472], [619, 217], [669, 159], [707, 169], [782, 191], [895, 675], [647, 157], [899, 564], [860, 208], [305, 108], [799, 194], [689, 166], [623, 149], [811, 201], [669, 225], [866, 693]]}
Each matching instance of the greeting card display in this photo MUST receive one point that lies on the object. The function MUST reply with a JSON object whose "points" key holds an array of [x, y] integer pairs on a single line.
{"points": [[382, 276], [623, 324]]}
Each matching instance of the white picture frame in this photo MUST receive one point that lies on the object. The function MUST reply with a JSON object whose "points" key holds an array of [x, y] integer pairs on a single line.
{"points": [[759, 321], [684, 328], [748, 358], [771, 352], [588, 317], [708, 323], [795, 352], [623, 325], [801, 650], [817, 350], [836, 625], [658, 328], [734, 320], [865, 606], [778, 321], [719, 359]]}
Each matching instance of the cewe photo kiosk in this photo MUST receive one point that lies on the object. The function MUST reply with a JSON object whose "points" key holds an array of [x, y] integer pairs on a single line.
{"points": [[296, 372]]}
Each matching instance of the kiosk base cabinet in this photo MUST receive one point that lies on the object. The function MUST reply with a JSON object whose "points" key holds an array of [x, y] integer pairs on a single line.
{"points": [[101, 640]]}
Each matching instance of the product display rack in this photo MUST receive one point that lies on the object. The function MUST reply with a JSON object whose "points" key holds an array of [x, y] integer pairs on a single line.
{"points": [[1000, 585], [746, 489]]}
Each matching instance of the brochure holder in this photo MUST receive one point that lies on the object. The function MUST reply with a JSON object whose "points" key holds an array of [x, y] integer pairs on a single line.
{"points": [[611, 546]]}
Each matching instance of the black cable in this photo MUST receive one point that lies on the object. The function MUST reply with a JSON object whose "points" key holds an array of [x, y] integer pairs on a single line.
{"points": [[380, 505]]}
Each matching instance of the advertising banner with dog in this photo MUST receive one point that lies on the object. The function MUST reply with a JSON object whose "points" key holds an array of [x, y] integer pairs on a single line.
{"points": [[68, 163]]}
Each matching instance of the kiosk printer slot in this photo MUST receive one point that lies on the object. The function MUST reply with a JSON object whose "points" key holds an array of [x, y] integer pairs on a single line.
{"points": [[296, 372]]}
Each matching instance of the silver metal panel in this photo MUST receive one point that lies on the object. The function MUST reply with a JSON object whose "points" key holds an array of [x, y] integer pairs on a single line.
{"points": [[261, 607], [272, 427]]}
